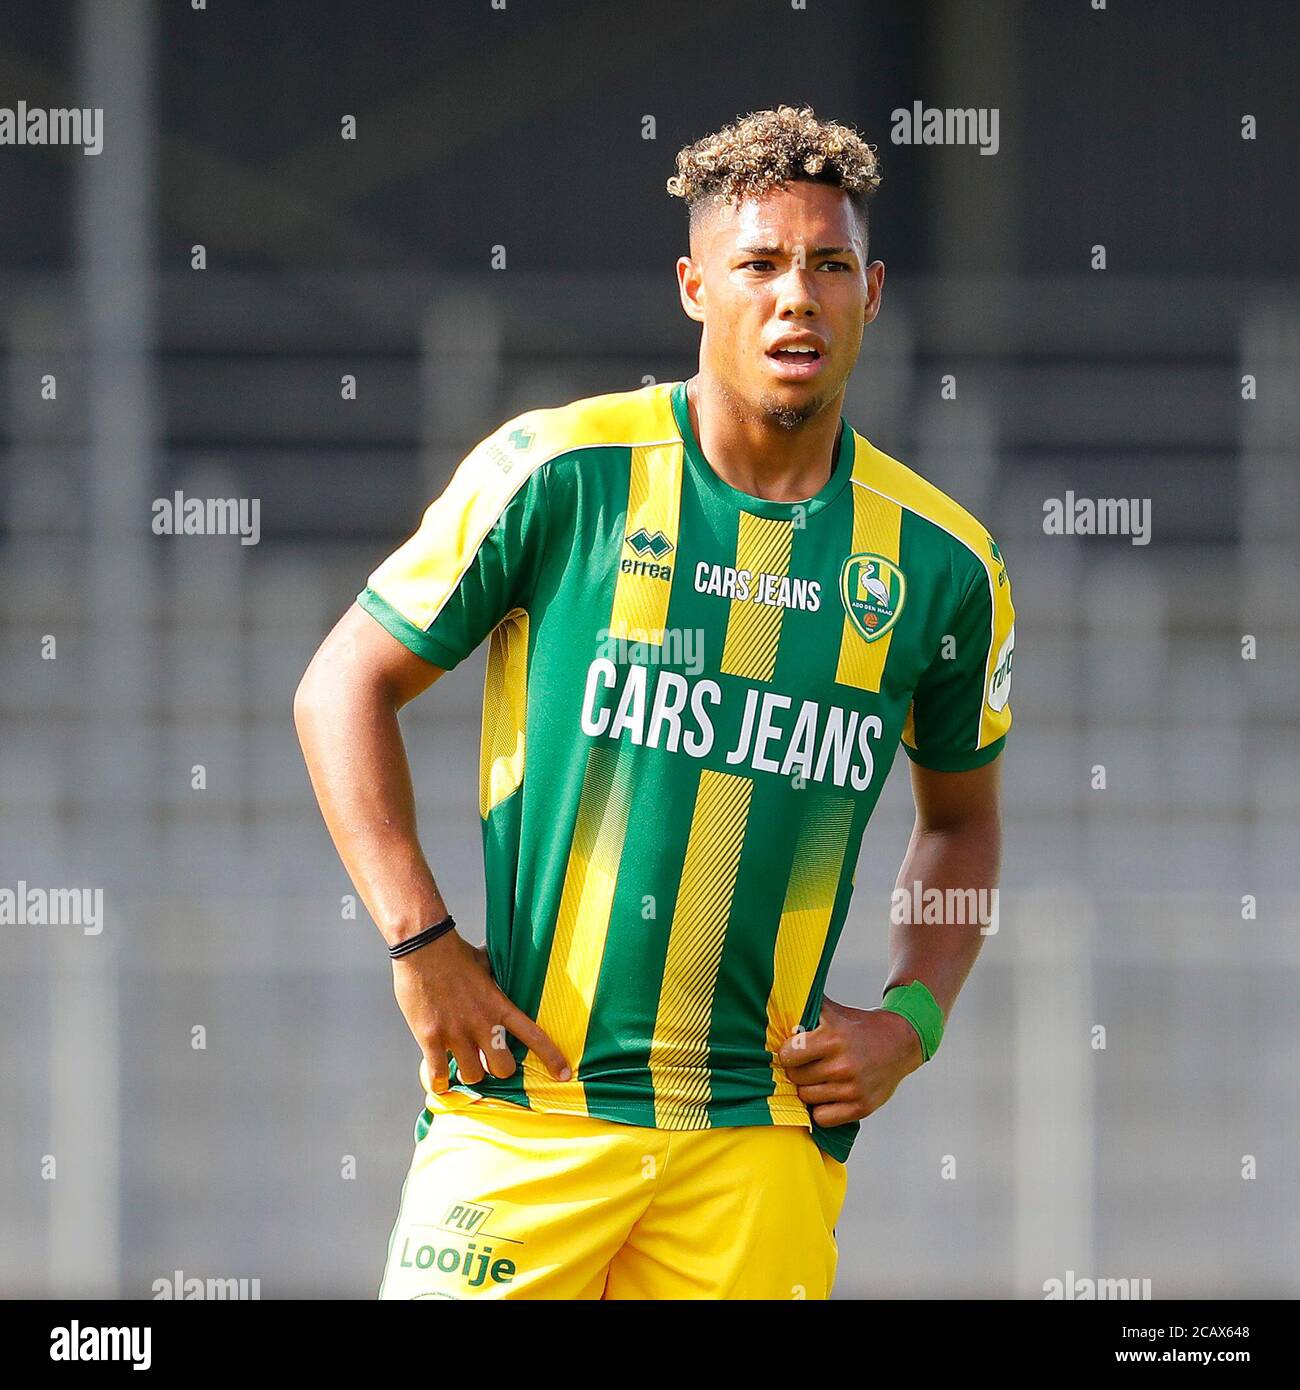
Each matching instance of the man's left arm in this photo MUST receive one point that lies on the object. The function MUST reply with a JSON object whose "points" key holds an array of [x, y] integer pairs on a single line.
{"points": [[853, 1061]]}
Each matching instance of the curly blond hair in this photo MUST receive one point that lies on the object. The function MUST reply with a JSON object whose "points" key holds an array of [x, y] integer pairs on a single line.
{"points": [[765, 149]]}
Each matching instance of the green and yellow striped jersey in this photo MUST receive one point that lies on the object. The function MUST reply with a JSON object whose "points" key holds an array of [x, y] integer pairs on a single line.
{"points": [[693, 699]]}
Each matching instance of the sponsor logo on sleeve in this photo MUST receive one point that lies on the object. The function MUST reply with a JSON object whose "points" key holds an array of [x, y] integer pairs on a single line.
{"points": [[1000, 681]]}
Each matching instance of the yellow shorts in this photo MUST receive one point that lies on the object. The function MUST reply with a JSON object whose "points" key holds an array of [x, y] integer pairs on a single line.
{"points": [[505, 1202]]}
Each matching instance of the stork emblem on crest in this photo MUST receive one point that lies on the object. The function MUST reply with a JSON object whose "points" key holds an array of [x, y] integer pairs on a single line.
{"points": [[872, 590]]}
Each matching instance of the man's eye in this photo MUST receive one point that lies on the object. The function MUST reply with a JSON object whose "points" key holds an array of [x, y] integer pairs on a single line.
{"points": [[765, 265], [839, 265]]}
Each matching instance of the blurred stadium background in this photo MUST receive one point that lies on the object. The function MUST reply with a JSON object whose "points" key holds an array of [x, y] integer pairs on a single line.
{"points": [[524, 129]]}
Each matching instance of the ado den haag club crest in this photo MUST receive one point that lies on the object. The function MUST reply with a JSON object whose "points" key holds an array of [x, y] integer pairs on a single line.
{"points": [[872, 590]]}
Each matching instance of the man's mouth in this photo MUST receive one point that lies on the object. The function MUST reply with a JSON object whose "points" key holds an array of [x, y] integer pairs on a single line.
{"points": [[796, 363]]}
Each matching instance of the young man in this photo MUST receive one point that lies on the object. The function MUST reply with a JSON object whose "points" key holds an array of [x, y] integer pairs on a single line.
{"points": [[714, 610]]}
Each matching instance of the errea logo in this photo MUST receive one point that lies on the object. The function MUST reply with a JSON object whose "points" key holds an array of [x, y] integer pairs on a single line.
{"points": [[656, 545], [644, 543], [998, 560], [520, 439]]}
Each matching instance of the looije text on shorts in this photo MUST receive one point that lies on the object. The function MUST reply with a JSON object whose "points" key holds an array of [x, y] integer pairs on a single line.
{"points": [[473, 1265]]}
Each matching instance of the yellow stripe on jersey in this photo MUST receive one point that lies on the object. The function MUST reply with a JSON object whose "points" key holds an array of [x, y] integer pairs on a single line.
{"points": [[505, 703], [653, 510], [679, 1053], [581, 927], [754, 629], [877, 523], [420, 576], [895, 482], [801, 936]]}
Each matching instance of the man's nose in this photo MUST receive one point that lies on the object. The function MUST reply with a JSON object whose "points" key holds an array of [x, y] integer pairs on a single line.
{"points": [[797, 299]]}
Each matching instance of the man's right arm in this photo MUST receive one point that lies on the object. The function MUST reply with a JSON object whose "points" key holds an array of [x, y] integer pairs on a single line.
{"points": [[345, 711]]}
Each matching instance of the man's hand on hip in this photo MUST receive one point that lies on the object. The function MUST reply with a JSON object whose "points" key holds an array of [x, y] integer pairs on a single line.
{"points": [[452, 1005], [851, 1063]]}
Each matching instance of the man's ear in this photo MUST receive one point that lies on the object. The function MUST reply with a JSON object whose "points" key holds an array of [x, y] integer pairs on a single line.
{"points": [[690, 288], [875, 292]]}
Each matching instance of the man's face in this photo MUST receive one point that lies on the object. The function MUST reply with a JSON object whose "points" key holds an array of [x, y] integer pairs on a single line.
{"points": [[789, 265]]}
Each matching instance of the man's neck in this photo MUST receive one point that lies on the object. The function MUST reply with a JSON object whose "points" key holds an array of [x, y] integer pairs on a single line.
{"points": [[759, 456]]}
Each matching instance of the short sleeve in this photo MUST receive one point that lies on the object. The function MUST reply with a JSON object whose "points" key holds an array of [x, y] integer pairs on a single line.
{"points": [[961, 707], [472, 562]]}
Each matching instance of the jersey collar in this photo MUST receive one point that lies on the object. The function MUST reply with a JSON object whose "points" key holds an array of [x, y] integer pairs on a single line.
{"points": [[707, 479]]}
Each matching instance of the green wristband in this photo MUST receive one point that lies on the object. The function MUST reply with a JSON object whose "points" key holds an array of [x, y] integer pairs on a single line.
{"points": [[917, 1005]]}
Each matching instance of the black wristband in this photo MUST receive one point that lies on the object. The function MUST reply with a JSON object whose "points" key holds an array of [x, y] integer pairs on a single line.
{"points": [[422, 938]]}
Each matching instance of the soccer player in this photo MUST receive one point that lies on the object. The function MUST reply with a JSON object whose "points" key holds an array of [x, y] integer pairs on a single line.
{"points": [[713, 610]]}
